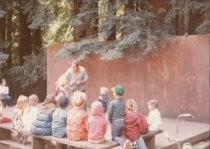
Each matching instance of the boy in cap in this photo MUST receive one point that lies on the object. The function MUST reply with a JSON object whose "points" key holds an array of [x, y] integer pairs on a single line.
{"points": [[116, 117]]}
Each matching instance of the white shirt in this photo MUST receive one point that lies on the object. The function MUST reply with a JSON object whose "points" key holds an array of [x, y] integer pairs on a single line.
{"points": [[4, 90], [154, 120]]}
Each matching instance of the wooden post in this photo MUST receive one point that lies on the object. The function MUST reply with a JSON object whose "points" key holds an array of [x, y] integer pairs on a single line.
{"points": [[5, 134], [150, 142], [38, 143]]}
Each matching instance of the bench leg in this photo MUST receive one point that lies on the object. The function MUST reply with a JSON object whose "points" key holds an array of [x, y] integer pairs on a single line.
{"points": [[60, 146], [38, 143], [5, 134], [150, 142]]}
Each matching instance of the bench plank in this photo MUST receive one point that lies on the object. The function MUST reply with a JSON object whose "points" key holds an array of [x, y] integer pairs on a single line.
{"points": [[80, 144], [38, 142]]}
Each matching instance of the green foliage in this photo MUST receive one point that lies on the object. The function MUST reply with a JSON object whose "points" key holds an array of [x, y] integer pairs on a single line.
{"points": [[33, 70]]}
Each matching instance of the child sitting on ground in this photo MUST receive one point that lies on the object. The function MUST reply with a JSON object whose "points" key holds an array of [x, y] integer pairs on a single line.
{"points": [[154, 117], [77, 119], [97, 124], [116, 117], [103, 98], [60, 118], [135, 124], [42, 124]]}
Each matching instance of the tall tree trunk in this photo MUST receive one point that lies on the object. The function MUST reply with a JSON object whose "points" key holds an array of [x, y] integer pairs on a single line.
{"points": [[9, 38], [25, 37], [37, 41], [2, 32], [91, 21], [77, 33]]}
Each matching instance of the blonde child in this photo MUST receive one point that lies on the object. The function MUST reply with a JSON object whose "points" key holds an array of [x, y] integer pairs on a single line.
{"points": [[22, 102], [42, 124], [62, 87], [154, 117], [103, 98], [97, 124], [135, 124], [77, 119], [17, 124], [116, 117], [30, 112]]}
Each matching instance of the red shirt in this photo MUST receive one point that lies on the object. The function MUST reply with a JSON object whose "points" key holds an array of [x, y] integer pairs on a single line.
{"points": [[135, 125]]}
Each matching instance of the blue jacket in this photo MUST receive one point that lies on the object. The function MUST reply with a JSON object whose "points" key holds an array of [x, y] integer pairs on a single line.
{"points": [[42, 124], [59, 123]]}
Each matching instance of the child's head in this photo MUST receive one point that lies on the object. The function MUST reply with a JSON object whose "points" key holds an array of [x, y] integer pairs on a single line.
{"points": [[50, 99], [3, 82], [33, 100], [152, 104], [62, 80], [131, 105], [63, 101], [22, 102], [49, 103], [103, 90], [97, 108], [118, 91], [78, 99]]}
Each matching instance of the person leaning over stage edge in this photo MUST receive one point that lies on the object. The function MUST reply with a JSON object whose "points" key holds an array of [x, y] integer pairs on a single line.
{"points": [[77, 76]]}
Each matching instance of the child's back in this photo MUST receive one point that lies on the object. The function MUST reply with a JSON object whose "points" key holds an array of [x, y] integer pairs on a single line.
{"points": [[59, 121], [30, 112], [77, 118], [97, 124], [42, 124]]}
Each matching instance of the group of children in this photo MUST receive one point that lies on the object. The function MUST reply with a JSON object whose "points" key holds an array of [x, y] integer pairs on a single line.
{"points": [[55, 117]]}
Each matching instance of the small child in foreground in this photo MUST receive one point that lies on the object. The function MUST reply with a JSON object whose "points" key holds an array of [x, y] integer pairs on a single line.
{"points": [[60, 118], [97, 124], [42, 124], [77, 119]]}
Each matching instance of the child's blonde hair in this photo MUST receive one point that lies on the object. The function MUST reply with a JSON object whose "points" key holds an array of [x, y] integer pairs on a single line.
{"points": [[22, 102], [103, 90], [131, 105], [153, 102], [33, 100], [78, 99], [49, 103], [62, 80]]}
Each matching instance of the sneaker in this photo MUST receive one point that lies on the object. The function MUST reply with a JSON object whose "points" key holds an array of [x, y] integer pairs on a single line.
{"points": [[127, 144]]}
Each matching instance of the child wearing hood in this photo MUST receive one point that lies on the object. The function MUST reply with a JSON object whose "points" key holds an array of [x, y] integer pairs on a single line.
{"points": [[135, 124], [97, 124]]}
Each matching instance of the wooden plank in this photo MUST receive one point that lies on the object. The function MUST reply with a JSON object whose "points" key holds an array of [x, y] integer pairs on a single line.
{"points": [[5, 134], [15, 144], [151, 134], [80, 144]]}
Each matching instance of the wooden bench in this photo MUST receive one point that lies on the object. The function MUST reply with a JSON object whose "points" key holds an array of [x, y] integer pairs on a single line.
{"points": [[39, 142]]}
